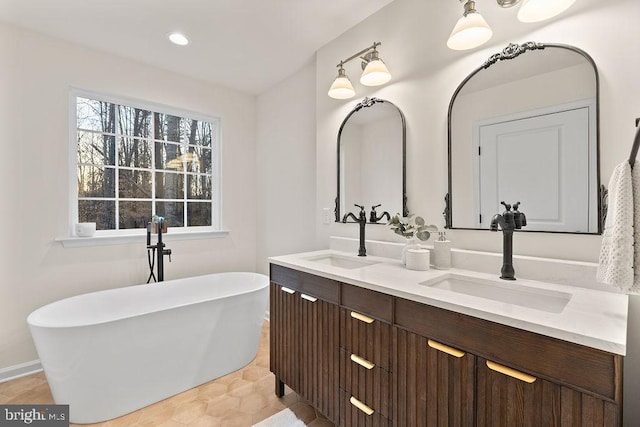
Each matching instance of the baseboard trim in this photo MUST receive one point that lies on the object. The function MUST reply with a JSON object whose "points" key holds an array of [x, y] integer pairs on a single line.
{"points": [[16, 371]]}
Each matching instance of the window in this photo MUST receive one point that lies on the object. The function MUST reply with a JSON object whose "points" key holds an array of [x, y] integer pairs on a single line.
{"points": [[133, 162]]}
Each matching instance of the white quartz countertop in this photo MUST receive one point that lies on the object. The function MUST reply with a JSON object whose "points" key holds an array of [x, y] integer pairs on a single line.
{"points": [[593, 318]]}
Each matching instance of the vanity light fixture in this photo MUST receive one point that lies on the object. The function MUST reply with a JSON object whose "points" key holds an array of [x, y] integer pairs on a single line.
{"points": [[375, 73], [472, 30]]}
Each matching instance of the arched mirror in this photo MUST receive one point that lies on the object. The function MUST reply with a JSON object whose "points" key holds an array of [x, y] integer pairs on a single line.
{"points": [[524, 127], [371, 160]]}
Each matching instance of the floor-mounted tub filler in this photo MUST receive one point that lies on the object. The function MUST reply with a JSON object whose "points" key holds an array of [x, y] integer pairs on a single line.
{"points": [[109, 353]]}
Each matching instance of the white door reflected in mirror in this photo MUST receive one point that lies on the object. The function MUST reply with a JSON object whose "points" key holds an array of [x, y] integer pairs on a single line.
{"points": [[542, 162]]}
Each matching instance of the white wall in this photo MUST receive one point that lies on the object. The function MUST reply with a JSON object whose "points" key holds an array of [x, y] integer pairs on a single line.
{"points": [[35, 75], [413, 35], [286, 167]]}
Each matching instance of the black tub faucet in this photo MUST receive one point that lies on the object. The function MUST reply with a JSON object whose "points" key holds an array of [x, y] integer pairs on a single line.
{"points": [[508, 221], [362, 220], [373, 216], [157, 225]]}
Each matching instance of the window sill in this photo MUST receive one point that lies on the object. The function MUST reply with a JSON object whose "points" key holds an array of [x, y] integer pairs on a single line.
{"points": [[138, 238]]}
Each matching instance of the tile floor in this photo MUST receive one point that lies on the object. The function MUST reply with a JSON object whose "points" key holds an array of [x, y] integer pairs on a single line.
{"points": [[239, 399]]}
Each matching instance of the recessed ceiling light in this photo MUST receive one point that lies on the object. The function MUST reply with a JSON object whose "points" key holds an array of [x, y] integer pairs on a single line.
{"points": [[179, 39]]}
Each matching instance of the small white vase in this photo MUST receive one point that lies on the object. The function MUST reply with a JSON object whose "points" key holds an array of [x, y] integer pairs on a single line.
{"points": [[412, 243]]}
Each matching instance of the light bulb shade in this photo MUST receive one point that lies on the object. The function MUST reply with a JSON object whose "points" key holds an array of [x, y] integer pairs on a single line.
{"points": [[470, 31], [341, 88], [375, 73], [539, 10]]}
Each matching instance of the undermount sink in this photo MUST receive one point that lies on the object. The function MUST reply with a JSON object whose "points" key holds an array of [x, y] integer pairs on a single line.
{"points": [[341, 261], [508, 292]]}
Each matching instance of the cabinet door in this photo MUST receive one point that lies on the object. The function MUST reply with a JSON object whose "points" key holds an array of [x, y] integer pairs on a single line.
{"points": [[584, 410], [507, 401], [432, 386], [319, 354], [284, 340]]}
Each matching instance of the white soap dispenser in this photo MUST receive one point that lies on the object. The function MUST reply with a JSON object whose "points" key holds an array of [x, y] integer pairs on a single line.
{"points": [[442, 252]]}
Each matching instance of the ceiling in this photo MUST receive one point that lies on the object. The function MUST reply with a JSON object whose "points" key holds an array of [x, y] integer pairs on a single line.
{"points": [[249, 45]]}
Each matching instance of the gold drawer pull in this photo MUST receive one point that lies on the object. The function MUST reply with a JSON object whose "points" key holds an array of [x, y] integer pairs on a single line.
{"points": [[364, 408], [361, 317], [510, 372], [309, 298], [287, 290], [446, 349], [362, 361]]}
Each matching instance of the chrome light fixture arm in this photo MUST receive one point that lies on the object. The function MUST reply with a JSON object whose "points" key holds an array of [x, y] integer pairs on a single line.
{"points": [[364, 51]]}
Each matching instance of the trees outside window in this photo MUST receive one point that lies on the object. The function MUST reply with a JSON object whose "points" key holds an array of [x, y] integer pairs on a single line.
{"points": [[133, 163]]}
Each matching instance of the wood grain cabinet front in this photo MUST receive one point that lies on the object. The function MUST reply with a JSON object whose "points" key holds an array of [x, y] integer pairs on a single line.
{"points": [[365, 362], [367, 359], [318, 355], [472, 372], [366, 382], [304, 339], [508, 397], [434, 384], [365, 336], [284, 338], [355, 413]]}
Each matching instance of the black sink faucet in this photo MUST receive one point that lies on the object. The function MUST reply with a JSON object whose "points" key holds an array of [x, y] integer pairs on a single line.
{"points": [[373, 216], [362, 220], [508, 222]]}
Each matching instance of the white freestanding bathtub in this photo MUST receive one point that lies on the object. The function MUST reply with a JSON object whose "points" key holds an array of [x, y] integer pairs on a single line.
{"points": [[112, 352]]}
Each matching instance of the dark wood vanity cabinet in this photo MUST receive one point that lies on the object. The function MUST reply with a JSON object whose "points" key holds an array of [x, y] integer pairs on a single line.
{"points": [[365, 358], [507, 401], [365, 349], [504, 376], [336, 357], [304, 338]]}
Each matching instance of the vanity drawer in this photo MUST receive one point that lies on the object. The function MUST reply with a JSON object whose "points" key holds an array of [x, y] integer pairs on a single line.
{"points": [[320, 287], [355, 416], [578, 366], [366, 337], [372, 303], [365, 381], [284, 276]]}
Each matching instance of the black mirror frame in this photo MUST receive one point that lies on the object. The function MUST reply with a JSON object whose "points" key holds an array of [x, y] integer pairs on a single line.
{"points": [[510, 52], [366, 103]]}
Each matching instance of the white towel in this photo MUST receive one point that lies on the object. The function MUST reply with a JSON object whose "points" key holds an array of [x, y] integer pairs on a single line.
{"points": [[635, 183], [617, 251]]}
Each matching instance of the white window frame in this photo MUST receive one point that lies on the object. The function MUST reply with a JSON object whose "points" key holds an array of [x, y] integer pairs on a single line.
{"points": [[128, 235]]}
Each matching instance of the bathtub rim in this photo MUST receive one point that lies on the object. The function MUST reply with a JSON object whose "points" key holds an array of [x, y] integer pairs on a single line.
{"points": [[33, 322]]}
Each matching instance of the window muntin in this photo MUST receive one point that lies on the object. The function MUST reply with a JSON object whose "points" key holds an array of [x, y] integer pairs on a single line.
{"points": [[132, 163]]}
